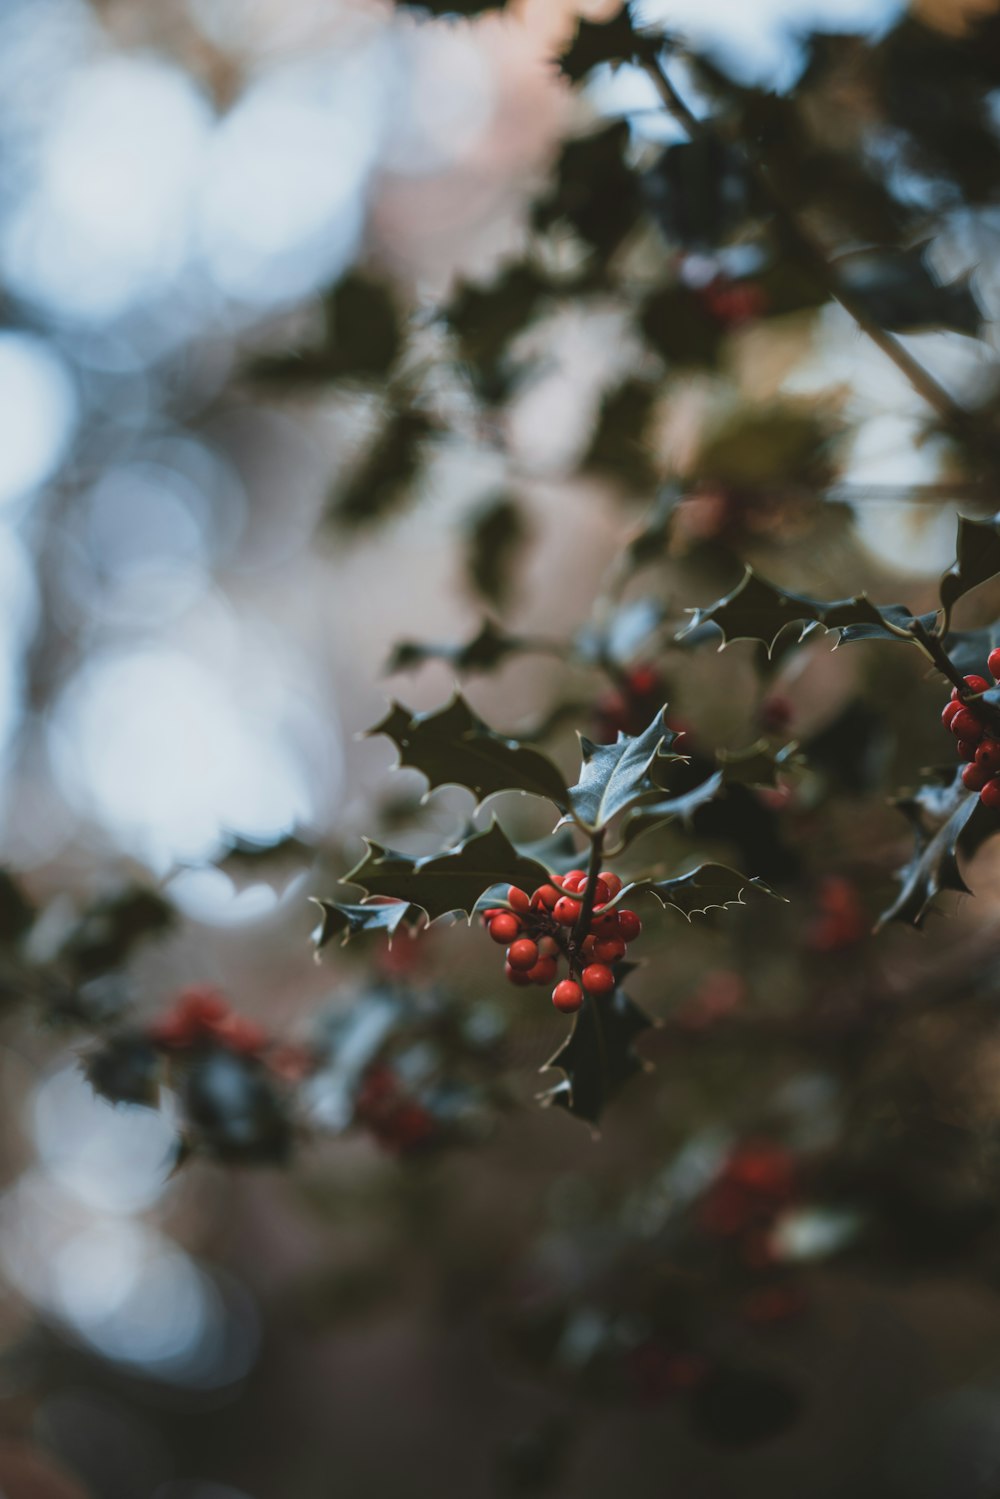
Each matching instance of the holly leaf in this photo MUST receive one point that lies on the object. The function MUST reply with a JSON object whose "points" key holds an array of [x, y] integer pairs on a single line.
{"points": [[709, 887], [616, 777], [615, 41], [467, 8], [758, 764], [948, 822], [700, 192], [902, 292], [341, 918], [449, 881], [558, 852], [619, 446], [621, 632], [757, 610], [486, 319], [599, 1056], [125, 1068], [977, 560], [452, 746], [670, 809], [385, 478], [495, 536], [489, 648], [678, 325], [109, 929], [362, 338], [595, 190]]}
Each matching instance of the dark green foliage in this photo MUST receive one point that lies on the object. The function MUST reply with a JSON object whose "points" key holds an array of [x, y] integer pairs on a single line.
{"points": [[756, 610], [383, 481], [700, 191], [676, 323], [738, 1408], [496, 534], [125, 1068], [348, 921], [599, 1055], [450, 881], [106, 933], [232, 1110], [899, 291], [614, 778], [948, 823], [486, 319], [620, 446], [614, 41], [488, 649], [451, 7], [977, 560], [452, 746], [362, 338], [705, 888], [775, 446], [594, 191]]}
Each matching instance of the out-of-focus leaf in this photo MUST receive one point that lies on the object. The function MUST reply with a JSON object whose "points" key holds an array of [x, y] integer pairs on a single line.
{"points": [[486, 319], [678, 325], [232, 1110], [557, 852], [758, 764], [948, 822], [124, 1069], [649, 543], [902, 293], [736, 1408], [776, 446], [495, 537], [853, 751], [757, 610], [16, 911], [622, 632], [384, 479], [452, 746], [669, 809], [489, 648], [348, 920], [595, 191], [619, 445], [107, 932], [362, 338], [614, 41], [616, 777], [449, 881], [468, 8], [700, 192], [977, 559], [599, 1055]]}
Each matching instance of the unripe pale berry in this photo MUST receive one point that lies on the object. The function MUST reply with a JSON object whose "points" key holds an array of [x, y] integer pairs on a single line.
{"points": [[993, 664], [612, 881], [504, 928], [598, 978], [629, 925], [567, 996], [566, 910], [522, 954], [974, 777], [519, 900], [990, 794]]}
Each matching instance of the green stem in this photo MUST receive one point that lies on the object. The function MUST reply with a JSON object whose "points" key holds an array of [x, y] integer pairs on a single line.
{"points": [[587, 905]]}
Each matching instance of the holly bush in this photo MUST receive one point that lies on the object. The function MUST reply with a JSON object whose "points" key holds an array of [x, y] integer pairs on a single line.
{"points": [[734, 840]]}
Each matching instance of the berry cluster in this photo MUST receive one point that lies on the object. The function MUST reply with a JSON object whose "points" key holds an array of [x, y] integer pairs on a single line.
{"points": [[398, 1121], [539, 929], [975, 742], [201, 1016]]}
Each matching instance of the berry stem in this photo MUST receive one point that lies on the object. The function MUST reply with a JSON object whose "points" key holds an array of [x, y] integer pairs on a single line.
{"points": [[582, 926], [932, 646]]}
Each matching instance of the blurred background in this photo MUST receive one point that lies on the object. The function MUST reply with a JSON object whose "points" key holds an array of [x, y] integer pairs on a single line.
{"points": [[191, 645]]}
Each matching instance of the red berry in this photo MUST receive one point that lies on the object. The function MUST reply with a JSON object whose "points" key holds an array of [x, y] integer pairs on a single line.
{"points": [[589, 944], [612, 881], [504, 928], [548, 947], [974, 777], [522, 954], [967, 749], [988, 755], [544, 898], [609, 949], [993, 663], [604, 923], [629, 925], [516, 976], [644, 680], [977, 684], [519, 900], [990, 795], [544, 971], [949, 711], [566, 910], [567, 996], [601, 893], [965, 725], [598, 978], [202, 1005], [237, 1033]]}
